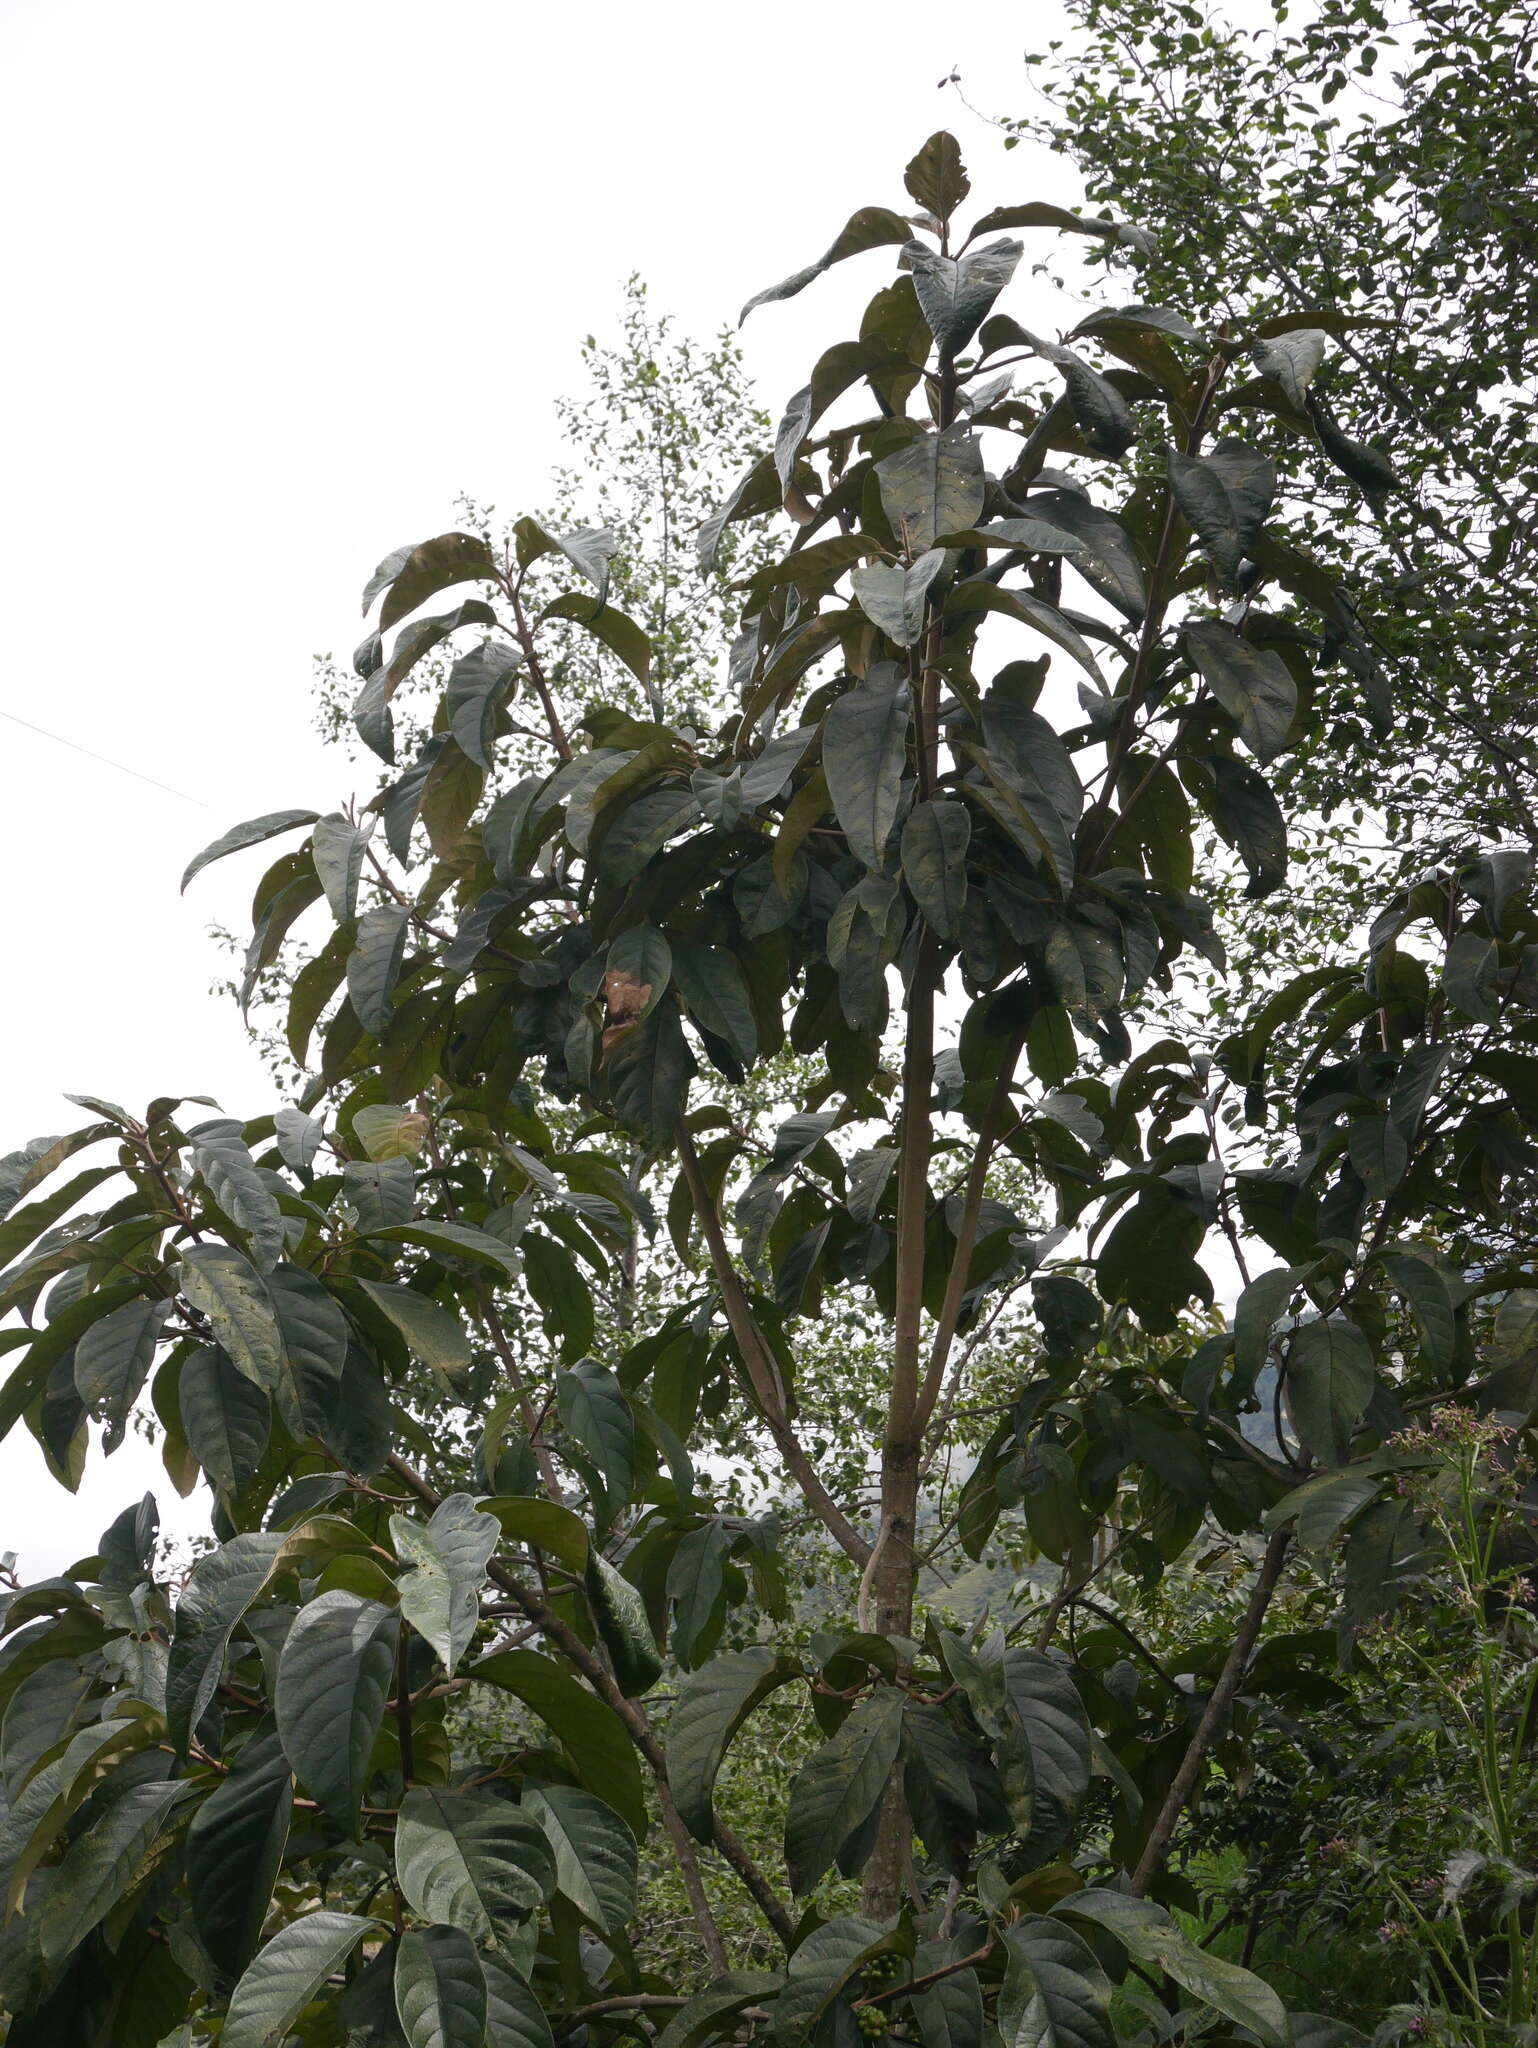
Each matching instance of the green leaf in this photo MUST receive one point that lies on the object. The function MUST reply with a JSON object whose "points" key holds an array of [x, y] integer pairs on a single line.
{"points": [[514, 2016], [239, 1187], [1468, 975], [820, 1967], [1055, 1730], [374, 965], [695, 1578], [935, 837], [896, 599], [223, 1286], [649, 1073], [593, 1408], [234, 1851], [563, 1296], [214, 1600], [711, 2011], [337, 847], [1225, 496], [1055, 1994], [471, 1859], [252, 833], [956, 293], [869, 228], [1259, 1307], [978, 593], [936, 177], [333, 1680], [102, 1863], [412, 575], [544, 1525], [477, 688], [1249, 818], [642, 956], [620, 1613], [932, 486], [445, 1569], [864, 752], [1149, 1936], [595, 1739], [1106, 558], [284, 1976], [1253, 685], [715, 993], [387, 1131], [711, 1707], [1329, 1382], [452, 1241], [44, 1804], [840, 1786], [1039, 769], [437, 1337], [112, 1362], [316, 1341], [226, 1420], [1378, 1152], [1290, 360], [595, 1853], [613, 629], [371, 706]]}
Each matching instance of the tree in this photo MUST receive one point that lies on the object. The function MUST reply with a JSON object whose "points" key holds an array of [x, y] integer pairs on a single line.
{"points": [[250, 1795]]}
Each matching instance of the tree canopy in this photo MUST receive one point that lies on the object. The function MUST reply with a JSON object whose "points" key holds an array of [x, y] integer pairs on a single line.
{"points": [[939, 889]]}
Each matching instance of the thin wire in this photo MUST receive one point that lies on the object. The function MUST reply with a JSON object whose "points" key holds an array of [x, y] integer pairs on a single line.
{"points": [[106, 760]]}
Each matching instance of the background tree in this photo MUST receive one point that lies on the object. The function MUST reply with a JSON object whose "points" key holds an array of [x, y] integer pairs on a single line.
{"points": [[251, 1797]]}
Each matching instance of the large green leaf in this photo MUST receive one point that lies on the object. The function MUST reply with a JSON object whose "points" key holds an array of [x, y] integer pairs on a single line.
{"points": [[935, 838], [864, 751], [440, 1991], [444, 1571], [956, 293], [40, 1810], [596, 1412], [596, 1742], [595, 1853], [333, 1680], [1250, 819], [936, 177], [1038, 768], [711, 2011], [1056, 1733], [1253, 684], [234, 1850], [222, 1586], [281, 1980], [112, 1362], [1426, 1289], [239, 1187], [710, 1709], [715, 992], [1055, 1994], [840, 1786], [514, 2016], [869, 228], [471, 1859], [252, 833], [820, 1967], [337, 847], [102, 1863], [695, 1578], [620, 1613], [932, 486], [374, 965], [1150, 1937], [896, 599], [649, 1074], [224, 1286], [412, 575], [225, 1418], [315, 1346], [1225, 496], [1329, 1384]]}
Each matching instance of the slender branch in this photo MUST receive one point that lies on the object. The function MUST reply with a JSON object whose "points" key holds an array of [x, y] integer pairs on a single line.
{"points": [[537, 673], [1215, 1717], [758, 1362]]}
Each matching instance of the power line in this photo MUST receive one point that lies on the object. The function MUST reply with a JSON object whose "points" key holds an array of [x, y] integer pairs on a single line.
{"points": [[106, 760]]}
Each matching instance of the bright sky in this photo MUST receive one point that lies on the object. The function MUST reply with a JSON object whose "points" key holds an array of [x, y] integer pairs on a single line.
{"points": [[282, 283]]}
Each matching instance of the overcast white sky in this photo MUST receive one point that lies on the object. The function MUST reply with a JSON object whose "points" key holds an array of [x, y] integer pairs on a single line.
{"points": [[282, 281]]}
